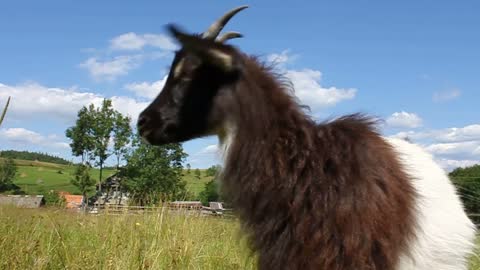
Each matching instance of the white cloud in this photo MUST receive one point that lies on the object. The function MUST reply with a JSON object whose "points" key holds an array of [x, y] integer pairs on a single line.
{"points": [[133, 41], [281, 58], [451, 164], [446, 95], [308, 89], [209, 150], [34, 100], [129, 106], [306, 83], [60, 104], [111, 69], [24, 136], [451, 147], [456, 148], [454, 134], [404, 120], [147, 89]]}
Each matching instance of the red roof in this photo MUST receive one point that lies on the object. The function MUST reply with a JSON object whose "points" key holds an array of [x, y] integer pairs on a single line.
{"points": [[73, 201]]}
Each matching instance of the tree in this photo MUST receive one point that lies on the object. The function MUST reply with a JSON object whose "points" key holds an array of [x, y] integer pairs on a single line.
{"points": [[93, 132], [189, 167], [4, 111], [122, 134], [467, 182], [81, 135], [82, 180], [198, 174], [153, 173], [210, 193], [53, 198], [8, 169], [104, 120], [213, 170]]}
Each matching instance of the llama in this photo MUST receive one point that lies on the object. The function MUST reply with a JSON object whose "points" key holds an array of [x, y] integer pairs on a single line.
{"points": [[334, 195]]}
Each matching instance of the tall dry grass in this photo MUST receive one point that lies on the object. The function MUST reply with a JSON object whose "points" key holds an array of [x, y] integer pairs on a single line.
{"points": [[55, 239]]}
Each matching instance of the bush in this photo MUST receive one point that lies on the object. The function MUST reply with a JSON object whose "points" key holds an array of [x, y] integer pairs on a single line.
{"points": [[52, 198], [8, 169], [210, 193], [467, 181]]}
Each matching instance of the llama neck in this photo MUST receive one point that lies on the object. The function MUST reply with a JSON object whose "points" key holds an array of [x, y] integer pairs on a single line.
{"points": [[259, 155]]}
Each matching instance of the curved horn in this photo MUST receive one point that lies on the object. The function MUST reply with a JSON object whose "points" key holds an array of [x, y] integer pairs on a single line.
{"points": [[217, 26], [229, 35]]}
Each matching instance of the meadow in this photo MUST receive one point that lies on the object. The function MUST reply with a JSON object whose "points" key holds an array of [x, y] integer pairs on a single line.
{"points": [[35, 177], [56, 239], [51, 238]]}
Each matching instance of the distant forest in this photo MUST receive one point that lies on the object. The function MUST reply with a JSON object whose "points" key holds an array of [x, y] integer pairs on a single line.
{"points": [[25, 155]]}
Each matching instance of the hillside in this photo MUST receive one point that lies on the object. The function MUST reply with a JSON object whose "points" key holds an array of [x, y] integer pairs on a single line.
{"points": [[35, 177], [33, 156]]}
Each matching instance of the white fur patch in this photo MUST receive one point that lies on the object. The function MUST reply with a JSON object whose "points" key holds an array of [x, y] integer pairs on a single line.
{"points": [[224, 60], [178, 68], [226, 137], [445, 235]]}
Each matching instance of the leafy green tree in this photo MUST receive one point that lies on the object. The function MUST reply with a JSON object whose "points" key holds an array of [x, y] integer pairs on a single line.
{"points": [[153, 173], [197, 173], [8, 169], [122, 134], [210, 193], [467, 182], [99, 132], [81, 134], [4, 111], [82, 180], [104, 121], [53, 198], [213, 170]]}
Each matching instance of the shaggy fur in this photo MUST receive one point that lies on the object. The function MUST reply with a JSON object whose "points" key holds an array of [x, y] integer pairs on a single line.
{"points": [[328, 196], [334, 195]]}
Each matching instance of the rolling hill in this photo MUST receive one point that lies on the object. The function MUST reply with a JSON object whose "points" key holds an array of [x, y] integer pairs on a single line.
{"points": [[36, 177]]}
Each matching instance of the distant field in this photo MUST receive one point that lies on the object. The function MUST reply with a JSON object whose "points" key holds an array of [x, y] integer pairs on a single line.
{"points": [[36, 177], [194, 184]]}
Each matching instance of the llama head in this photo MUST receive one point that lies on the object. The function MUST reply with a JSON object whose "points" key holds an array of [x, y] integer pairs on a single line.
{"points": [[195, 96]]}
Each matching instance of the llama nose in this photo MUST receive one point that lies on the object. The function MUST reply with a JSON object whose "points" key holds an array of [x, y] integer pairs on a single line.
{"points": [[142, 121]]}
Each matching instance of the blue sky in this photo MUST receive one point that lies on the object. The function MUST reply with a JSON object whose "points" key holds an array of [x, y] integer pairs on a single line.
{"points": [[415, 64]]}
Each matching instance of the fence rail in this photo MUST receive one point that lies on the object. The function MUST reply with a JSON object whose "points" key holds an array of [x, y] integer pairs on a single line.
{"points": [[127, 209]]}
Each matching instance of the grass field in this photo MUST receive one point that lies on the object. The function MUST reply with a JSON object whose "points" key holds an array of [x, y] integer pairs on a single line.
{"points": [[55, 239], [37, 177]]}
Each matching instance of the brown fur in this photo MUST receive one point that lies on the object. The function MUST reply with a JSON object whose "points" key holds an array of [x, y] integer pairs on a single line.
{"points": [[313, 196]]}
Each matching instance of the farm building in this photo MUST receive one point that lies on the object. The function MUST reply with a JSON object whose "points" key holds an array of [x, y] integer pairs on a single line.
{"points": [[110, 192], [191, 205], [22, 201], [71, 201]]}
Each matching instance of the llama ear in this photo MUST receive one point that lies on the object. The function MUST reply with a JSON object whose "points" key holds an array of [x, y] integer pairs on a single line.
{"points": [[207, 50]]}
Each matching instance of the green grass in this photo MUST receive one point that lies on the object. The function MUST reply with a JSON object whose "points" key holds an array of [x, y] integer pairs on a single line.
{"points": [[37, 177], [49, 238], [56, 239], [194, 184]]}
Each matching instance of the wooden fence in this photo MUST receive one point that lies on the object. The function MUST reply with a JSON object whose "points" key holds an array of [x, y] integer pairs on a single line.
{"points": [[170, 208]]}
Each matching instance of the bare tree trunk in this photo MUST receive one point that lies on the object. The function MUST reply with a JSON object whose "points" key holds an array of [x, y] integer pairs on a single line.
{"points": [[4, 111]]}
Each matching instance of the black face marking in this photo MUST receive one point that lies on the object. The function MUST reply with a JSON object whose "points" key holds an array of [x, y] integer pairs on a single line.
{"points": [[183, 110]]}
